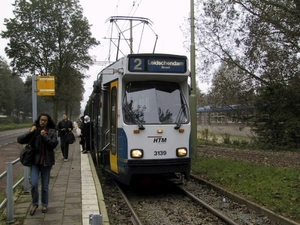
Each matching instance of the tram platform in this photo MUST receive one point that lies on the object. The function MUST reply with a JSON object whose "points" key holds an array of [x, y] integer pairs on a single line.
{"points": [[75, 194]]}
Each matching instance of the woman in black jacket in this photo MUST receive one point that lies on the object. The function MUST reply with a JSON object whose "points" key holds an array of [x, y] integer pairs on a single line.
{"points": [[42, 138]]}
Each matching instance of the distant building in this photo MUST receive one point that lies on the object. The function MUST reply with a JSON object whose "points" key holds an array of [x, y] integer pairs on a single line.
{"points": [[230, 115]]}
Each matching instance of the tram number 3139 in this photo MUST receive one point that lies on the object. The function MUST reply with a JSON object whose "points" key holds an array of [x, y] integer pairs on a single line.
{"points": [[158, 153]]}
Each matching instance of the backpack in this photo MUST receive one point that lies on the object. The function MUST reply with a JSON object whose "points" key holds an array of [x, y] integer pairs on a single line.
{"points": [[70, 138]]}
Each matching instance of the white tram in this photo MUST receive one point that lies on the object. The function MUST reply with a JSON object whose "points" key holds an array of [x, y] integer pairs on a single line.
{"points": [[141, 119]]}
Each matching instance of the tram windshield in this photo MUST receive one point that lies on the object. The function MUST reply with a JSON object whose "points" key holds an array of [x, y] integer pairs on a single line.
{"points": [[154, 102]]}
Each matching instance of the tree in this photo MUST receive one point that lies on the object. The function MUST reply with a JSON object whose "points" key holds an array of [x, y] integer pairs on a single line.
{"points": [[20, 99], [229, 90], [71, 91], [246, 34], [277, 120], [15, 98], [7, 93], [50, 38], [264, 49], [201, 98]]}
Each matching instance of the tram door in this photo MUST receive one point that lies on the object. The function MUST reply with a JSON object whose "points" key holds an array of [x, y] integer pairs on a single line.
{"points": [[113, 126]]}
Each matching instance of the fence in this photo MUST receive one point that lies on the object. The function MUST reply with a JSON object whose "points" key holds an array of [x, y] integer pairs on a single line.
{"points": [[10, 186]]}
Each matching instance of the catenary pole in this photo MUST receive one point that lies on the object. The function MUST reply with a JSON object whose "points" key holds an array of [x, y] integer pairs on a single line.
{"points": [[33, 81], [34, 98], [193, 97]]}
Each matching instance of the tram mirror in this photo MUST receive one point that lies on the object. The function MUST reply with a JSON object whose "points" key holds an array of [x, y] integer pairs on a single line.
{"points": [[190, 90], [97, 86]]}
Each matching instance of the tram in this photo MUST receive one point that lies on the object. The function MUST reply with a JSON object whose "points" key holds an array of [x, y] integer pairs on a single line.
{"points": [[140, 113]]}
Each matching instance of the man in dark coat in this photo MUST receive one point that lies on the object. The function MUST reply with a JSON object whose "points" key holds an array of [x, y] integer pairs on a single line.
{"points": [[82, 141], [88, 134], [63, 127]]}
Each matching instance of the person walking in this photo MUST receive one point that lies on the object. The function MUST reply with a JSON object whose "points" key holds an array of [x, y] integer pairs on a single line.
{"points": [[88, 134], [43, 140], [64, 126]]}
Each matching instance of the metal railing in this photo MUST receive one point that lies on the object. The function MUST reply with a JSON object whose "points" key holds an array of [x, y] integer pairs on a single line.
{"points": [[10, 187]]}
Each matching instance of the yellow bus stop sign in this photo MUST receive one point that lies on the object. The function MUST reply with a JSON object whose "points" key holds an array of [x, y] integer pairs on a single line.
{"points": [[45, 85]]}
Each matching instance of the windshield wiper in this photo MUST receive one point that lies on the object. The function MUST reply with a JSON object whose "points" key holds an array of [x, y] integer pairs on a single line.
{"points": [[178, 120], [133, 117]]}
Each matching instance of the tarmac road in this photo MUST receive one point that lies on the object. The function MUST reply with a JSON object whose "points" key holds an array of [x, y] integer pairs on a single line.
{"points": [[10, 136], [10, 151]]}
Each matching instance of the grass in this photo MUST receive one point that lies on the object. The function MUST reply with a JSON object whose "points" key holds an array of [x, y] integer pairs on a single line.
{"points": [[276, 188], [13, 126], [3, 217]]}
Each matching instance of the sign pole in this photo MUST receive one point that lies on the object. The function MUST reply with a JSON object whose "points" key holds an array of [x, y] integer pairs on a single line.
{"points": [[34, 99]]}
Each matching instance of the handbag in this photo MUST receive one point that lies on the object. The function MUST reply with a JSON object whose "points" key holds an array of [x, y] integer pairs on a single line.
{"points": [[78, 132], [27, 155], [70, 138]]}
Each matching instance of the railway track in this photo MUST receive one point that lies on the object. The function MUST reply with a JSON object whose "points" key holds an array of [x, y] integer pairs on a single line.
{"points": [[138, 214], [191, 203], [213, 210], [236, 199]]}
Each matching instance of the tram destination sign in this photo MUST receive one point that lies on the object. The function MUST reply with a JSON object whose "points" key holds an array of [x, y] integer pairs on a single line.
{"points": [[157, 64]]}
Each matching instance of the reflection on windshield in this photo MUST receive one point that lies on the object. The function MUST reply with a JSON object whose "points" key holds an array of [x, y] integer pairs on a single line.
{"points": [[154, 102]]}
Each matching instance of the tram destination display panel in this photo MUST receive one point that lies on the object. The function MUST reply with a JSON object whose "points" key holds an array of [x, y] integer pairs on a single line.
{"points": [[158, 64]]}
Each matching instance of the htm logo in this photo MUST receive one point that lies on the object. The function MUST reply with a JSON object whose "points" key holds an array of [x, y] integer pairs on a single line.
{"points": [[159, 140]]}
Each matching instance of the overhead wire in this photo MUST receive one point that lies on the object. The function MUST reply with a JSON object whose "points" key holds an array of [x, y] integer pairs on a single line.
{"points": [[111, 50], [110, 27], [132, 10]]}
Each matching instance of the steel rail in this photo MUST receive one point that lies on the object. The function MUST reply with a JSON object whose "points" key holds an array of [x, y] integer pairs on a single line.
{"points": [[134, 218], [208, 207], [260, 209]]}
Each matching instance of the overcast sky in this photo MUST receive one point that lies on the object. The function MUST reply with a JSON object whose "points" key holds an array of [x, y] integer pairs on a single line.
{"points": [[167, 17]]}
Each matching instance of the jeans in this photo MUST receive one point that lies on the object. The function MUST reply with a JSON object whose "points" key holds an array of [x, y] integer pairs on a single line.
{"points": [[44, 171]]}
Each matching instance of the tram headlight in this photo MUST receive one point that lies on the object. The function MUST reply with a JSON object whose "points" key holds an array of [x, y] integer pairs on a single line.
{"points": [[181, 152], [136, 153]]}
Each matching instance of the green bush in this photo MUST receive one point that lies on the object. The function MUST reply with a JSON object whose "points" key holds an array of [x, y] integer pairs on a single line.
{"points": [[226, 138], [12, 126]]}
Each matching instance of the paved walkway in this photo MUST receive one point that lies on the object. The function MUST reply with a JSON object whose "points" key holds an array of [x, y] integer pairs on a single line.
{"points": [[75, 194]]}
